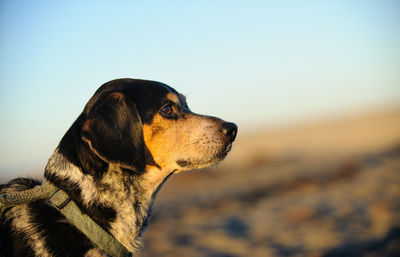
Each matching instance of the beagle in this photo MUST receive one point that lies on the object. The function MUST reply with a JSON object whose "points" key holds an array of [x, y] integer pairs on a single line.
{"points": [[131, 136]]}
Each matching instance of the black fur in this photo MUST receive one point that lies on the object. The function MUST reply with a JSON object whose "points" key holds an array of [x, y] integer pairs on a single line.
{"points": [[114, 130], [79, 153]]}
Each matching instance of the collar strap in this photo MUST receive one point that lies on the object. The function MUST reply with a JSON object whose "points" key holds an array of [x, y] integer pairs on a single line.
{"points": [[105, 241], [13, 198]]}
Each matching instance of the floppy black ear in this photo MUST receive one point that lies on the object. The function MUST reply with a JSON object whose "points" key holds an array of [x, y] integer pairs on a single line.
{"points": [[113, 130]]}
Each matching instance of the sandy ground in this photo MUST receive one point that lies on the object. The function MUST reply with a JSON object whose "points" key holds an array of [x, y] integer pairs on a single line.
{"points": [[322, 189]]}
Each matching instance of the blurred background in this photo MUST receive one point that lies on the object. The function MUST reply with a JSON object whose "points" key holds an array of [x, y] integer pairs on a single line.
{"points": [[314, 87]]}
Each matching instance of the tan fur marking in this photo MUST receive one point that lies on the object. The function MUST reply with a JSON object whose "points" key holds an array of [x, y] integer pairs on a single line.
{"points": [[192, 137], [117, 96], [88, 124], [172, 97]]}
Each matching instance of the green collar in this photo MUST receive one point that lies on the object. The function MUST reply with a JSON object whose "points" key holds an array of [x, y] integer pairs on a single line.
{"points": [[62, 201]]}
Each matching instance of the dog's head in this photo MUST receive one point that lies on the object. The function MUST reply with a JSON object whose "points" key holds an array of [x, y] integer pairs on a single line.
{"points": [[136, 123]]}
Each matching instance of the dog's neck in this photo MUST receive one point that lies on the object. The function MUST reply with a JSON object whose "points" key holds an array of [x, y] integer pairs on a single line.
{"points": [[119, 201]]}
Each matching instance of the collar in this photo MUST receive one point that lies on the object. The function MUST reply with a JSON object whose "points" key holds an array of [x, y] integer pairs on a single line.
{"points": [[62, 201]]}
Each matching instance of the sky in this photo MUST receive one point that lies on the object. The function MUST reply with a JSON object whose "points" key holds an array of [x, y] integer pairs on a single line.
{"points": [[256, 63]]}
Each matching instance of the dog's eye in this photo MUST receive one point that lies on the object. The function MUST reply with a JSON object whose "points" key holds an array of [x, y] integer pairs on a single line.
{"points": [[168, 111]]}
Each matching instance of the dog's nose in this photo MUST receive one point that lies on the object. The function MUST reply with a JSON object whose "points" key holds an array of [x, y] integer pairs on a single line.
{"points": [[229, 129]]}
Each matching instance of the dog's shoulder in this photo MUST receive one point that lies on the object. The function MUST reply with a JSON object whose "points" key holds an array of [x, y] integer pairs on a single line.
{"points": [[34, 229], [9, 232]]}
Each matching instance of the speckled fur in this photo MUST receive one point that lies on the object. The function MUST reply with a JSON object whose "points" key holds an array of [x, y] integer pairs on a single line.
{"points": [[117, 190]]}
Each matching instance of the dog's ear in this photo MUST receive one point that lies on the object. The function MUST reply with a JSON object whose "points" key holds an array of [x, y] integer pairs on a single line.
{"points": [[113, 130]]}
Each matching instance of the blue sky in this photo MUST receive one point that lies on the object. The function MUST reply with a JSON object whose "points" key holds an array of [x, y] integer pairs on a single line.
{"points": [[251, 62]]}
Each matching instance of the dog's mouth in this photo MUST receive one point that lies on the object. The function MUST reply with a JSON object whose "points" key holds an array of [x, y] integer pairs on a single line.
{"points": [[206, 162], [198, 164]]}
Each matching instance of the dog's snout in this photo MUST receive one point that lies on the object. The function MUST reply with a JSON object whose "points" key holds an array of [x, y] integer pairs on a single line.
{"points": [[229, 129]]}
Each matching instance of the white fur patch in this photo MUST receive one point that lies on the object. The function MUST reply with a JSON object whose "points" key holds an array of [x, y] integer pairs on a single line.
{"points": [[63, 169]]}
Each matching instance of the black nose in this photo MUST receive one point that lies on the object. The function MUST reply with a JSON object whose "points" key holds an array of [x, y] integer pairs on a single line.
{"points": [[229, 129]]}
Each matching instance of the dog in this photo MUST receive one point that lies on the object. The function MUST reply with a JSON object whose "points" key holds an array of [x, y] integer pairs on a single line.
{"points": [[131, 136]]}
